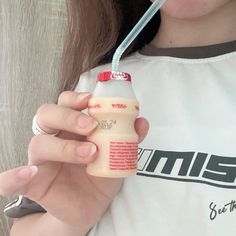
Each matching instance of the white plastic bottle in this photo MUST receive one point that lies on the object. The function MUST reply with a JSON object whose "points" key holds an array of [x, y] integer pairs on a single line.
{"points": [[115, 107]]}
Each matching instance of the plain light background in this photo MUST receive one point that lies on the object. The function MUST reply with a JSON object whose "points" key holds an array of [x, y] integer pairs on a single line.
{"points": [[31, 42]]}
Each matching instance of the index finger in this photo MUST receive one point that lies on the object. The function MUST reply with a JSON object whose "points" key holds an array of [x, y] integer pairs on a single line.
{"points": [[74, 100]]}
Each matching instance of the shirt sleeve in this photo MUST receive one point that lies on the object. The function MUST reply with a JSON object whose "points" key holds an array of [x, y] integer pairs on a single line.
{"points": [[22, 206], [87, 82]]}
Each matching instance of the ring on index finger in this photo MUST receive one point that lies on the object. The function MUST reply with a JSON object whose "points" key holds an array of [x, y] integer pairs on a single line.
{"points": [[37, 130]]}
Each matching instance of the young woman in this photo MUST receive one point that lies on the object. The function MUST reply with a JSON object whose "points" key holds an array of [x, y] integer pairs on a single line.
{"points": [[184, 79]]}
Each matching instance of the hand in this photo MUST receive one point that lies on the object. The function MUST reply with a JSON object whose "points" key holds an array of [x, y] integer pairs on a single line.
{"points": [[56, 177]]}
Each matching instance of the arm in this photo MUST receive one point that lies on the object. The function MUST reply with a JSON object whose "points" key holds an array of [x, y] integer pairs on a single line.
{"points": [[43, 224]]}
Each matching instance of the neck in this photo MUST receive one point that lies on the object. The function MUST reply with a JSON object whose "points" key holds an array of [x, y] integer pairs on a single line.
{"points": [[214, 28]]}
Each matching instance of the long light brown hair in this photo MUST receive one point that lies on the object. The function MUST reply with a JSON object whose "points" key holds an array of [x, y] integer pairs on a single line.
{"points": [[95, 30]]}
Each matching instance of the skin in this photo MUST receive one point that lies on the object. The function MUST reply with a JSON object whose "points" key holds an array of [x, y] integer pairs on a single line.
{"points": [[61, 173], [187, 23]]}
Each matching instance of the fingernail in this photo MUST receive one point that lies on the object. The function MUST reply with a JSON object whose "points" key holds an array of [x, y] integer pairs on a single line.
{"points": [[83, 96], [87, 121], [27, 172], [86, 150], [34, 170]]}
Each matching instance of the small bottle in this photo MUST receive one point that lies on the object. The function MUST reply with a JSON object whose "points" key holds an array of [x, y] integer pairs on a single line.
{"points": [[114, 105]]}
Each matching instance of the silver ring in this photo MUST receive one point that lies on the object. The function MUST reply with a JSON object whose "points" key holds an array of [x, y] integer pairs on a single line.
{"points": [[37, 130]]}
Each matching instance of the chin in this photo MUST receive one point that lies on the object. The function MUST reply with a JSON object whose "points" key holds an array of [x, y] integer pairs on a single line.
{"points": [[190, 9]]}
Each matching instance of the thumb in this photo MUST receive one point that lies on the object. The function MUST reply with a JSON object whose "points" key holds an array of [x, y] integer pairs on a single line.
{"points": [[141, 127], [14, 182]]}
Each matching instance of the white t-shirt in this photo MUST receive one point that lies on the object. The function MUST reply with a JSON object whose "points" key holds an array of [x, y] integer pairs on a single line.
{"points": [[186, 182]]}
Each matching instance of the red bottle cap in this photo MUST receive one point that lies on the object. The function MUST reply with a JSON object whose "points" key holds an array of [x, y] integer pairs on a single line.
{"points": [[109, 75]]}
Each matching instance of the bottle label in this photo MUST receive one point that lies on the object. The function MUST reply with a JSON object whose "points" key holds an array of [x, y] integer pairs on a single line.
{"points": [[108, 75], [123, 155], [118, 104], [120, 76]]}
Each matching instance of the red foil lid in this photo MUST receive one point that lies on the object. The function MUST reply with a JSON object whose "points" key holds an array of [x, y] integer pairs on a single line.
{"points": [[108, 75]]}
